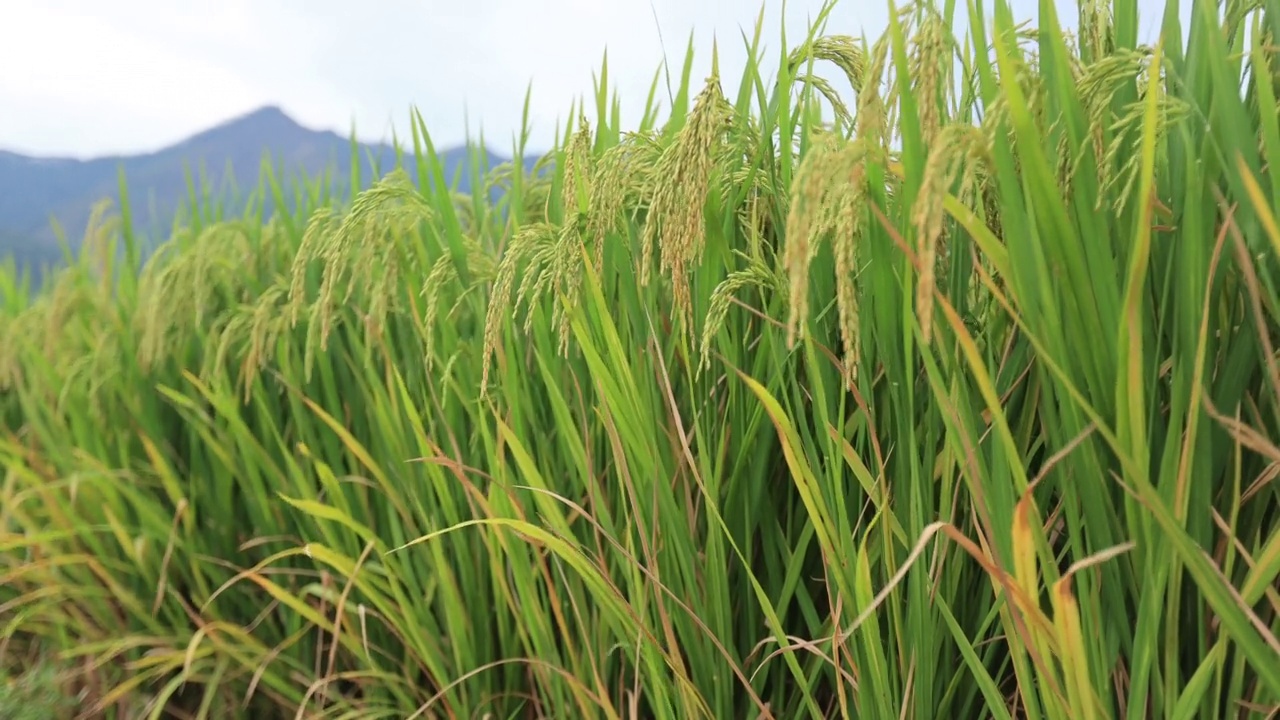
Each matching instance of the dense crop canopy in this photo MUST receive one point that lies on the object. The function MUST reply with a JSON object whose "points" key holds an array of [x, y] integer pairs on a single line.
{"points": [[933, 376]]}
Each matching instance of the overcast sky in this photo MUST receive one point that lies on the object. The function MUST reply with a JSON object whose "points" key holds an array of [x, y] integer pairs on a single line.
{"points": [[92, 77]]}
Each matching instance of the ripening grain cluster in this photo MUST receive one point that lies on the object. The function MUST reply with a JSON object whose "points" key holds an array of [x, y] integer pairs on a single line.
{"points": [[925, 375]]}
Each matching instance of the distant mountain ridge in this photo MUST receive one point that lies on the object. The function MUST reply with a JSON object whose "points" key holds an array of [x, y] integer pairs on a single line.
{"points": [[35, 189]]}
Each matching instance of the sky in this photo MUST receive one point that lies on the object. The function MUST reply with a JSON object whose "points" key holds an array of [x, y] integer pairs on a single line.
{"points": [[84, 78]]}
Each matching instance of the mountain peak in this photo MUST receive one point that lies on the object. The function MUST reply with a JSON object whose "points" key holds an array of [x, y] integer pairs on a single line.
{"points": [[267, 121], [268, 110], [265, 127], [34, 190]]}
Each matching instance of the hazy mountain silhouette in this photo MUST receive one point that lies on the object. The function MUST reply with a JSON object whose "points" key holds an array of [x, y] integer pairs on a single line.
{"points": [[34, 190]]}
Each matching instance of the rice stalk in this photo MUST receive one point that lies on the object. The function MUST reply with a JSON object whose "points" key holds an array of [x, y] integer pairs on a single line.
{"points": [[674, 222]]}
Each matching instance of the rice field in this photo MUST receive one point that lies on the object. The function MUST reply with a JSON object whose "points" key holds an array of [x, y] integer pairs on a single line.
{"points": [[933, 375]]}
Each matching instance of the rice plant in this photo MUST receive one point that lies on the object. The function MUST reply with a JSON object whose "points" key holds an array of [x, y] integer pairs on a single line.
{"points": [[916, 376]]}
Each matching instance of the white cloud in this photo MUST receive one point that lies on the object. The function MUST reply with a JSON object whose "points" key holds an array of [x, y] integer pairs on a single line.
{"points": [[81, 77], [74, 83]]}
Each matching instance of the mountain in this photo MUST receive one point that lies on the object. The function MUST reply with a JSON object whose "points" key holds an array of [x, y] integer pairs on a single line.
{"points": [[33, 190]]}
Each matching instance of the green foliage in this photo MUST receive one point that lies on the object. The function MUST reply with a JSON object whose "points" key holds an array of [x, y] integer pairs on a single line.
{"points": [[960, 404], [33, 695]]}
